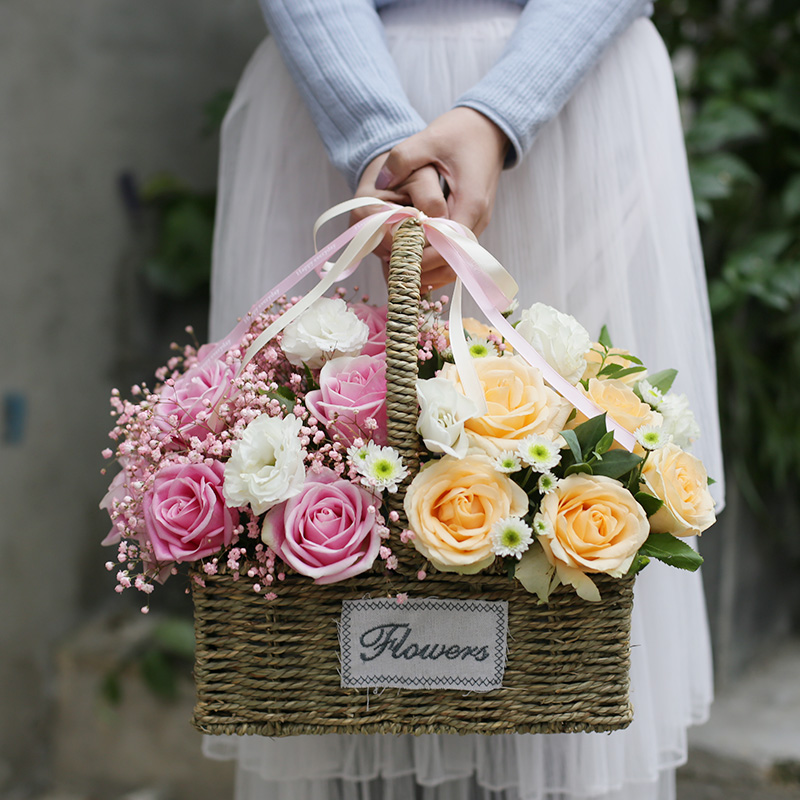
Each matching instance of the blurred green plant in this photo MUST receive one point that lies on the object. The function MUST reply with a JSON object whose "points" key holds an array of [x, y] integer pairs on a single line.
{"points": [[738, 70], [164, 655], [179, 261]]}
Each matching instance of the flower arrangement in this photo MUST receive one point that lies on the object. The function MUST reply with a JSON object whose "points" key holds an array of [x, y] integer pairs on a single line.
{"points": [[280, 463]]}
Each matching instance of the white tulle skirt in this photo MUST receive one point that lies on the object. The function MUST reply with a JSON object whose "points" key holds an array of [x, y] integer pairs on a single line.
{"points": [[597, 221]]}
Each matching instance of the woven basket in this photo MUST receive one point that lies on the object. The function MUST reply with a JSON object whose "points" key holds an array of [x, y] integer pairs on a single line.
{"points": [[272, 667]]}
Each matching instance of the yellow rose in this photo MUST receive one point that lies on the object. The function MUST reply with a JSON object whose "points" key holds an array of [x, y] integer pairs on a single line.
{"points": [[519, 404], [615, 356], [452, 505], [621, 403], [591, 524], [681, 481]]}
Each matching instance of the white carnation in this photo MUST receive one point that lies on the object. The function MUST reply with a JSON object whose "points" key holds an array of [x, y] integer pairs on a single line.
{"points": [[266, 465], [559, 338], [326, 329], [442, 413], [679, 421]]}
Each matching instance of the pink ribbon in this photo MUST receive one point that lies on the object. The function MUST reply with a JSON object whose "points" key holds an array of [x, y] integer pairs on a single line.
{"points": [[489, 284]]}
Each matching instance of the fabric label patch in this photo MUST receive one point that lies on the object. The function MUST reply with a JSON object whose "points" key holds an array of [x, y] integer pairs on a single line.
{"points": [[423, 644]]}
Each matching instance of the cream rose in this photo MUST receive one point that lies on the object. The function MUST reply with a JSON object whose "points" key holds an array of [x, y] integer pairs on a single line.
{"points": [[325, 330], [452, 505], [680, 480], [621, 402], [591, 524], [519, 404], [559, 338], [615, 356]]}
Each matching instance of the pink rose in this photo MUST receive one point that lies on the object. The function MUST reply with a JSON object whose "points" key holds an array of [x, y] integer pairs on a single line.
{"points": [[328, 531], [185, 512], [351, 390], [193, 399], [375, 319]]}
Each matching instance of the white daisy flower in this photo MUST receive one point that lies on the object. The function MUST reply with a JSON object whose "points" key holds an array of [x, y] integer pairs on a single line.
{"points": [[511, 537], [383, 468], [652, 396], [547, 482], [507, 462], [542, 525], [539, 452], [481, 348], [357, 454], [651, 437]]}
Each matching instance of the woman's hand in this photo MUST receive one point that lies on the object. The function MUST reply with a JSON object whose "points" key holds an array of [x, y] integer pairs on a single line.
{"points": [[468, 151]]}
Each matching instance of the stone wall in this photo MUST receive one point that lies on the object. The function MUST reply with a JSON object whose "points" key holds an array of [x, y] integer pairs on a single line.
{"points": [[89, 88]]}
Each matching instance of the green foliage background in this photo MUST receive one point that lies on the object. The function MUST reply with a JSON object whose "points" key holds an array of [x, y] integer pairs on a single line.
{"points": [[738, 70]]}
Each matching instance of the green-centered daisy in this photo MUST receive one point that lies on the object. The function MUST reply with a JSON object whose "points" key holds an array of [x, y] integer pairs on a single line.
{"points": [[507, 462], [481, 348], [547, 482], [542, 525], [511, 536], [651, 437], [540, 453], [650, 394], [357, 454], [383, 468]]}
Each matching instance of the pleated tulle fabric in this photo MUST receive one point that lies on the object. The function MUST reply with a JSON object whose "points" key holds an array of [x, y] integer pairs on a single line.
{"points": [[597, 221]]}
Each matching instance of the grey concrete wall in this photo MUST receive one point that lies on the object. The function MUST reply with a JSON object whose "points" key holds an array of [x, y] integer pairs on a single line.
{"points": [[88, 88]]}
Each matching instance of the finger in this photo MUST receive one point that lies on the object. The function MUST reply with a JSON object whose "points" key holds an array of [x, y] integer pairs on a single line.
{"points": [[403, 159], [437, 279], [470, 210], [425, 190]]}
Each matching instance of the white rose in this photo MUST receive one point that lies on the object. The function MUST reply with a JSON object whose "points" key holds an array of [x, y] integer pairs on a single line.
{"points": [[266, 464], [326, 329], [679, 420], [559, 338], [443, 410]]}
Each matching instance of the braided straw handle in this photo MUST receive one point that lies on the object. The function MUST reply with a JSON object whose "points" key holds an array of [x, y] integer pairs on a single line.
{"points": [[402, 333]]}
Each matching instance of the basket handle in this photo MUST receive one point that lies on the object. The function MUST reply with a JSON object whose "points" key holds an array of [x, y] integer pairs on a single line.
{"points": [[402, 333]]}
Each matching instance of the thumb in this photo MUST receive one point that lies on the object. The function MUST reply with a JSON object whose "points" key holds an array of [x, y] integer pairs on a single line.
{"points": [[404, 159]]}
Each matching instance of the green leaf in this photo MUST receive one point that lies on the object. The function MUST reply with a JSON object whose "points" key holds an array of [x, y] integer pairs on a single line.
{"points": [[175, 636], [511, 567], [310, 381], [610, 369], [589, 433], [671, 550], [790, 198], [574, 445], [616, 463], [720, 122], [629, 371], [648, 502], [638, 564], [605, 338], [662, 380], [582, 467], [604, 444]]}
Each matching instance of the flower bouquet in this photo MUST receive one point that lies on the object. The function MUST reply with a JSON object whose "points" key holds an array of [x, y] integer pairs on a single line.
{"points": [[310, 459]]}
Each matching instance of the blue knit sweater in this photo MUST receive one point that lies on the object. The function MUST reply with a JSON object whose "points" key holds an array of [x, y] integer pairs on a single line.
{"points": [[337, 55]]}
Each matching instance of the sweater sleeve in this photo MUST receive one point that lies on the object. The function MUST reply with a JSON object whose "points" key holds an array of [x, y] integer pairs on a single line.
{"points": [[553, 46], [336, 53]]}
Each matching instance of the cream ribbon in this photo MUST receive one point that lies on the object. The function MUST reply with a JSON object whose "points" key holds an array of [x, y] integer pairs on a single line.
{"points": [[481, 273]]}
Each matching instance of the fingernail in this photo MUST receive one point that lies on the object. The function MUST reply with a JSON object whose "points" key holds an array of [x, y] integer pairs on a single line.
{"points": [[384, 179]]}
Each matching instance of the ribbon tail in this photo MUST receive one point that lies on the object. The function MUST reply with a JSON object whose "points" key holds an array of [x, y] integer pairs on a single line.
{"points": [[461, 355]]}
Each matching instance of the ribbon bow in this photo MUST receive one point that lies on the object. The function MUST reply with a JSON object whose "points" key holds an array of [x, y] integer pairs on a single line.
{"points": [[486, 280]]}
